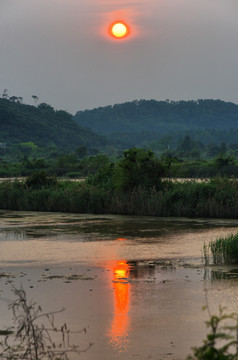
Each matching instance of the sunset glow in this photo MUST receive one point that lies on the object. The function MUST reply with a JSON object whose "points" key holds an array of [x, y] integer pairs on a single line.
{"points": [[119, 30], [118, 333]]}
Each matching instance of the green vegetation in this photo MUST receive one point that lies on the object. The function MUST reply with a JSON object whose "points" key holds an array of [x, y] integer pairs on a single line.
{"points": [[30, 128], [39, 179], [35, 336], [162, 125], [189, 138], [223, 250], [194, 139], [160, 116], [43, 144], [67, 165], [221, 165], [221, 342], [137, 168], [133, 185], [183, 130]]}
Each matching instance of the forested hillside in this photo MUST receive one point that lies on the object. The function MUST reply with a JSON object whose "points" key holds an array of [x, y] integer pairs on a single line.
{"points": [[132, 123], [43, 126], [160, 116], [193, 138]]}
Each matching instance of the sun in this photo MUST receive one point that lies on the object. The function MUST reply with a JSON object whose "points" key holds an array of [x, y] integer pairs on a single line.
{"points": [[119, 30]]}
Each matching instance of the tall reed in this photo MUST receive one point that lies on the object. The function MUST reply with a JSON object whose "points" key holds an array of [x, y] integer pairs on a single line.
{"points": [[217, 198], [224, 250]]}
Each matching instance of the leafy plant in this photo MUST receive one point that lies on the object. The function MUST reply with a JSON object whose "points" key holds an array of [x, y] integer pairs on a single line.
{"points": [[139, 167], [31, 338], [221, 342]]}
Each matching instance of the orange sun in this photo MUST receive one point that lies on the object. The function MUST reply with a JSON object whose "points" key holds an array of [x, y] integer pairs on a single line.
{"points": [[119, 30]]}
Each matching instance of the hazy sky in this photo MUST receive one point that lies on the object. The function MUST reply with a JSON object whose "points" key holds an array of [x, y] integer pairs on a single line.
{"points": [[60, 51]]}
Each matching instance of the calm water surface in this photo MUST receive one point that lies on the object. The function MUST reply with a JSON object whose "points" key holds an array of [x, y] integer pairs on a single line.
{"points": [[138, 284]]}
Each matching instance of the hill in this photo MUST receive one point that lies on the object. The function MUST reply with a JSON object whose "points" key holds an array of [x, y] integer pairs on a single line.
{"points": [[43, 126], [146, 120]]}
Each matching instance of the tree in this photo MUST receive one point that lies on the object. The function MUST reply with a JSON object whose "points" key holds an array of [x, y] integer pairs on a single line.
{"points": [[40, 179], [13, 98], [36, 99], [186, 144], [212, 150], [46, 107], [5, 93], [139, 167], [27, 148], [223, 148], [223, 161], [81, 151]]}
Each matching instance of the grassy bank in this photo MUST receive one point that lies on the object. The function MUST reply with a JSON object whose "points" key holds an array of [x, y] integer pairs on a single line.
{"points": [[222, 250], [217, 198]]}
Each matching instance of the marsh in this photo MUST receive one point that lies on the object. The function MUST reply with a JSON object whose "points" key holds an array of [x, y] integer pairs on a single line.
{"points": [[138, 284]]}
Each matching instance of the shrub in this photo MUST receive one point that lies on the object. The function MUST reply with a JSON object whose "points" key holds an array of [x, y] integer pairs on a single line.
{"points": [[39, 179], [221, 342], [138, 168]]}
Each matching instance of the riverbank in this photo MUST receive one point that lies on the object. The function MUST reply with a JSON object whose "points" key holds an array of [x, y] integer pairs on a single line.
{"points": [[216, 198]]}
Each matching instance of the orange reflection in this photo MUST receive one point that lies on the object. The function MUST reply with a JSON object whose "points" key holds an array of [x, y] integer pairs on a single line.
{"points": [[118, 332]]}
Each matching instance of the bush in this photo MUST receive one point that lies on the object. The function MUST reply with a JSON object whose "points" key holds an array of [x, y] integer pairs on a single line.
{"points": [[221, 342], [40, 179]]}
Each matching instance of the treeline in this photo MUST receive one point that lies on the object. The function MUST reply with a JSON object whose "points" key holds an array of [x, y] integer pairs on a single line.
{"points": [[140, 123], [79, 163], [43, 126], [187, 130], [193, 147], [160, 116], [72, 165], [132, 186]]}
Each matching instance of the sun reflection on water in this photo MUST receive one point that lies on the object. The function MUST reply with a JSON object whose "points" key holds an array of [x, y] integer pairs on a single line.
{"points": [[118, 333]]}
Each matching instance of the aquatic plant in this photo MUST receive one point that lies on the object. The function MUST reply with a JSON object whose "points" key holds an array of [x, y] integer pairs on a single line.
{"points": [[221, 342], [205, 253], [223, 250], [31, 336]]}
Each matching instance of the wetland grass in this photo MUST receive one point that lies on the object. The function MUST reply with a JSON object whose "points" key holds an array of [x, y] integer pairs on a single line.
{"points": [[223, 250], [215, 199]]}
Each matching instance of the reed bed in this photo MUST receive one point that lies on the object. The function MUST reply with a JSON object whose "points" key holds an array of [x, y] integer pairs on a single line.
{"points": [[215, 199], [223, 250]]}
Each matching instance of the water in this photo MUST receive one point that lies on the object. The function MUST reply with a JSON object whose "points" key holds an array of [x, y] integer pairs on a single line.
{"points": [[138, 284]]}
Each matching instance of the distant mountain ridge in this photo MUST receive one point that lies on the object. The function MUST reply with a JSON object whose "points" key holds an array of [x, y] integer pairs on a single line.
{"points": [[136, 123], [160, 117], [43, 126]]}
